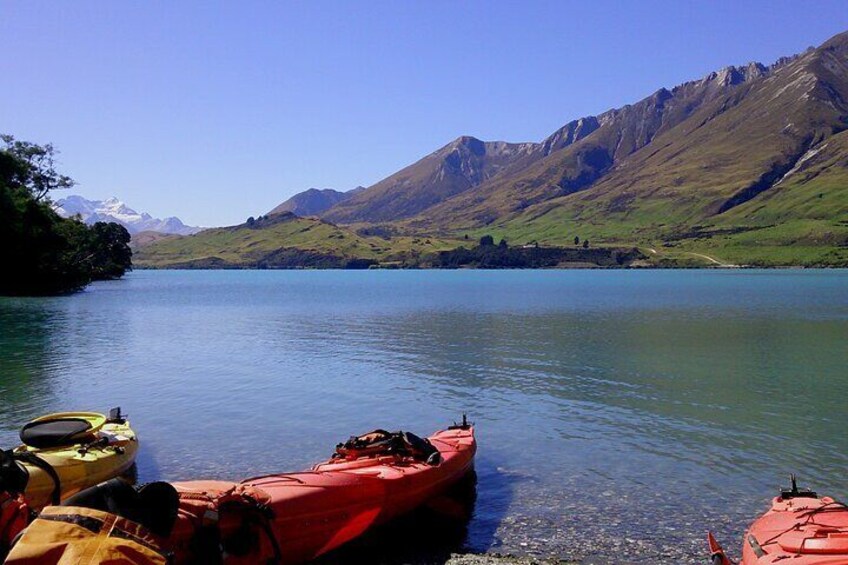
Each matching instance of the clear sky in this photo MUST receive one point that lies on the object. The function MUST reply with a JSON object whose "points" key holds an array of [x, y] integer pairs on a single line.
{"points": [[213, 111]]}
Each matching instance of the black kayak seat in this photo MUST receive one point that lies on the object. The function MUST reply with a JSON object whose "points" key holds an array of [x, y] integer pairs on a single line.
{"points": [[59, 432]]}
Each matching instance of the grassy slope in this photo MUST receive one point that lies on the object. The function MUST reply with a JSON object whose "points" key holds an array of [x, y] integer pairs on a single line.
{"points": [[801, 221], [804, 221], [243, 244]]}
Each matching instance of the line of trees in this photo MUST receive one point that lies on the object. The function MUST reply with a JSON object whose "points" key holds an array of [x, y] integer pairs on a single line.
{"points": [[487, 255], [40, 252]]}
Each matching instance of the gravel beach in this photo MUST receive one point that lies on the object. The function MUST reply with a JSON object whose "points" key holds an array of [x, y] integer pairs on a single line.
{"points": [[472, 559]]}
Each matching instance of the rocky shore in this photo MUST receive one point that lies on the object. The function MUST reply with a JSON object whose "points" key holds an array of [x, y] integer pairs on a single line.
{"points": [[497, 559]]}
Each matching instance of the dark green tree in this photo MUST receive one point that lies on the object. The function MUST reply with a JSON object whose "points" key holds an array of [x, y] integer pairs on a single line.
{"points": [[40, 252], [576, 240], [585, 244], [109, 250], [487, 240]]}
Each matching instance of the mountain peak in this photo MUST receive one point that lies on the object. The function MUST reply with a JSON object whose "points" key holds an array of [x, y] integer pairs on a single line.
{"points": [[837, 42], [733, 75], [466, 143], [571, 132], [455, 167], [466, 140], [312, 201], [113, 210]]}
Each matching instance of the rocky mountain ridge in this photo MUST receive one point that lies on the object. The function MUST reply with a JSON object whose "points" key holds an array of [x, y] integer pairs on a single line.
{"points": [[455, 171], [462, 164]]}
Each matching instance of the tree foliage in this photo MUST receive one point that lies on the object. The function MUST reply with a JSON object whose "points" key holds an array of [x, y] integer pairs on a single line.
{"points": [[498, 257], [40, 252], [35, 170]]}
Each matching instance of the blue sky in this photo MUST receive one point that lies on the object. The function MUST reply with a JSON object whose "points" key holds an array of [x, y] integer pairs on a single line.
{"points": [[214, 111]]}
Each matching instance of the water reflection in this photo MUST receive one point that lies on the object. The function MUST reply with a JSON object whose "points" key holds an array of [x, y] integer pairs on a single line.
{"points": [[428, 535], [27, 359], [611, 406]]}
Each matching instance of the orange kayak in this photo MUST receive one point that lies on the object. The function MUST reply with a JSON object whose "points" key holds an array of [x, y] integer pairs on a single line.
{"points": [[295, 517], [800, 528]]}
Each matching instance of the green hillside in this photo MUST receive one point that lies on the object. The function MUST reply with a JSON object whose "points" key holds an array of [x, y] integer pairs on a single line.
{"points": [[282, 240]]}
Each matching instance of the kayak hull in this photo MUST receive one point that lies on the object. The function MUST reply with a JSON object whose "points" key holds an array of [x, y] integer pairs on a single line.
{"points": [[316, 511]]}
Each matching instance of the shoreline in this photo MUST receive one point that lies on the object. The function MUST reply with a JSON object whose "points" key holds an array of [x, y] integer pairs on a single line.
{"points": [[499, 559], [560, 268]]}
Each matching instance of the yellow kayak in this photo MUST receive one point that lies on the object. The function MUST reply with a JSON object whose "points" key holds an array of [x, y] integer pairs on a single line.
{"points": [[67, 452]]}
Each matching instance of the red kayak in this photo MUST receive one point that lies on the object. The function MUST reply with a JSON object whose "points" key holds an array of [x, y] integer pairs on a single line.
{"points": [[800, 528], [295, 517]]}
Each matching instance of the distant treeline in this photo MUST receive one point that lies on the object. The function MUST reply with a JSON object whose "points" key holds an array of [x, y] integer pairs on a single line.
{"points": [[40, 252], [490, 256]]}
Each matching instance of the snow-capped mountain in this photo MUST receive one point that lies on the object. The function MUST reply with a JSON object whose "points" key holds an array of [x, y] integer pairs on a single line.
{"points": [[113, 210]]}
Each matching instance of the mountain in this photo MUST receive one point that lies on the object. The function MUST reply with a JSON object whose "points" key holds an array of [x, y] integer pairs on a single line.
{"points": [[746, 161], [457, 167], [113, 210], [712, 163], [468, 172], [747, 165], [732, 122], [314, 201]]}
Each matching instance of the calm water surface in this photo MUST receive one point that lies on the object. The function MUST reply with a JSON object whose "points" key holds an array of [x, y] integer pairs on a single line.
{"points": [[620, 414]]}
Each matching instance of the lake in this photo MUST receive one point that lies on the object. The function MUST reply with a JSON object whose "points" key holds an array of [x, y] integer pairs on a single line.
{"points": [[620, 413]]}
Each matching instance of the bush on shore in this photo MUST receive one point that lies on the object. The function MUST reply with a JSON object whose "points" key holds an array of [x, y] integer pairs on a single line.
{"points": [[42, 253]]}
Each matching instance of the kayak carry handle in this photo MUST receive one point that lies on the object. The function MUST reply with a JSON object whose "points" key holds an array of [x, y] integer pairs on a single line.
{"points": [[795, 492], [115, 416], [463, 426]]}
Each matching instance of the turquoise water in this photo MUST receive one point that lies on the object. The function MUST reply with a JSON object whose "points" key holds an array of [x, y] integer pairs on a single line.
{"points": [[620, 414]]}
